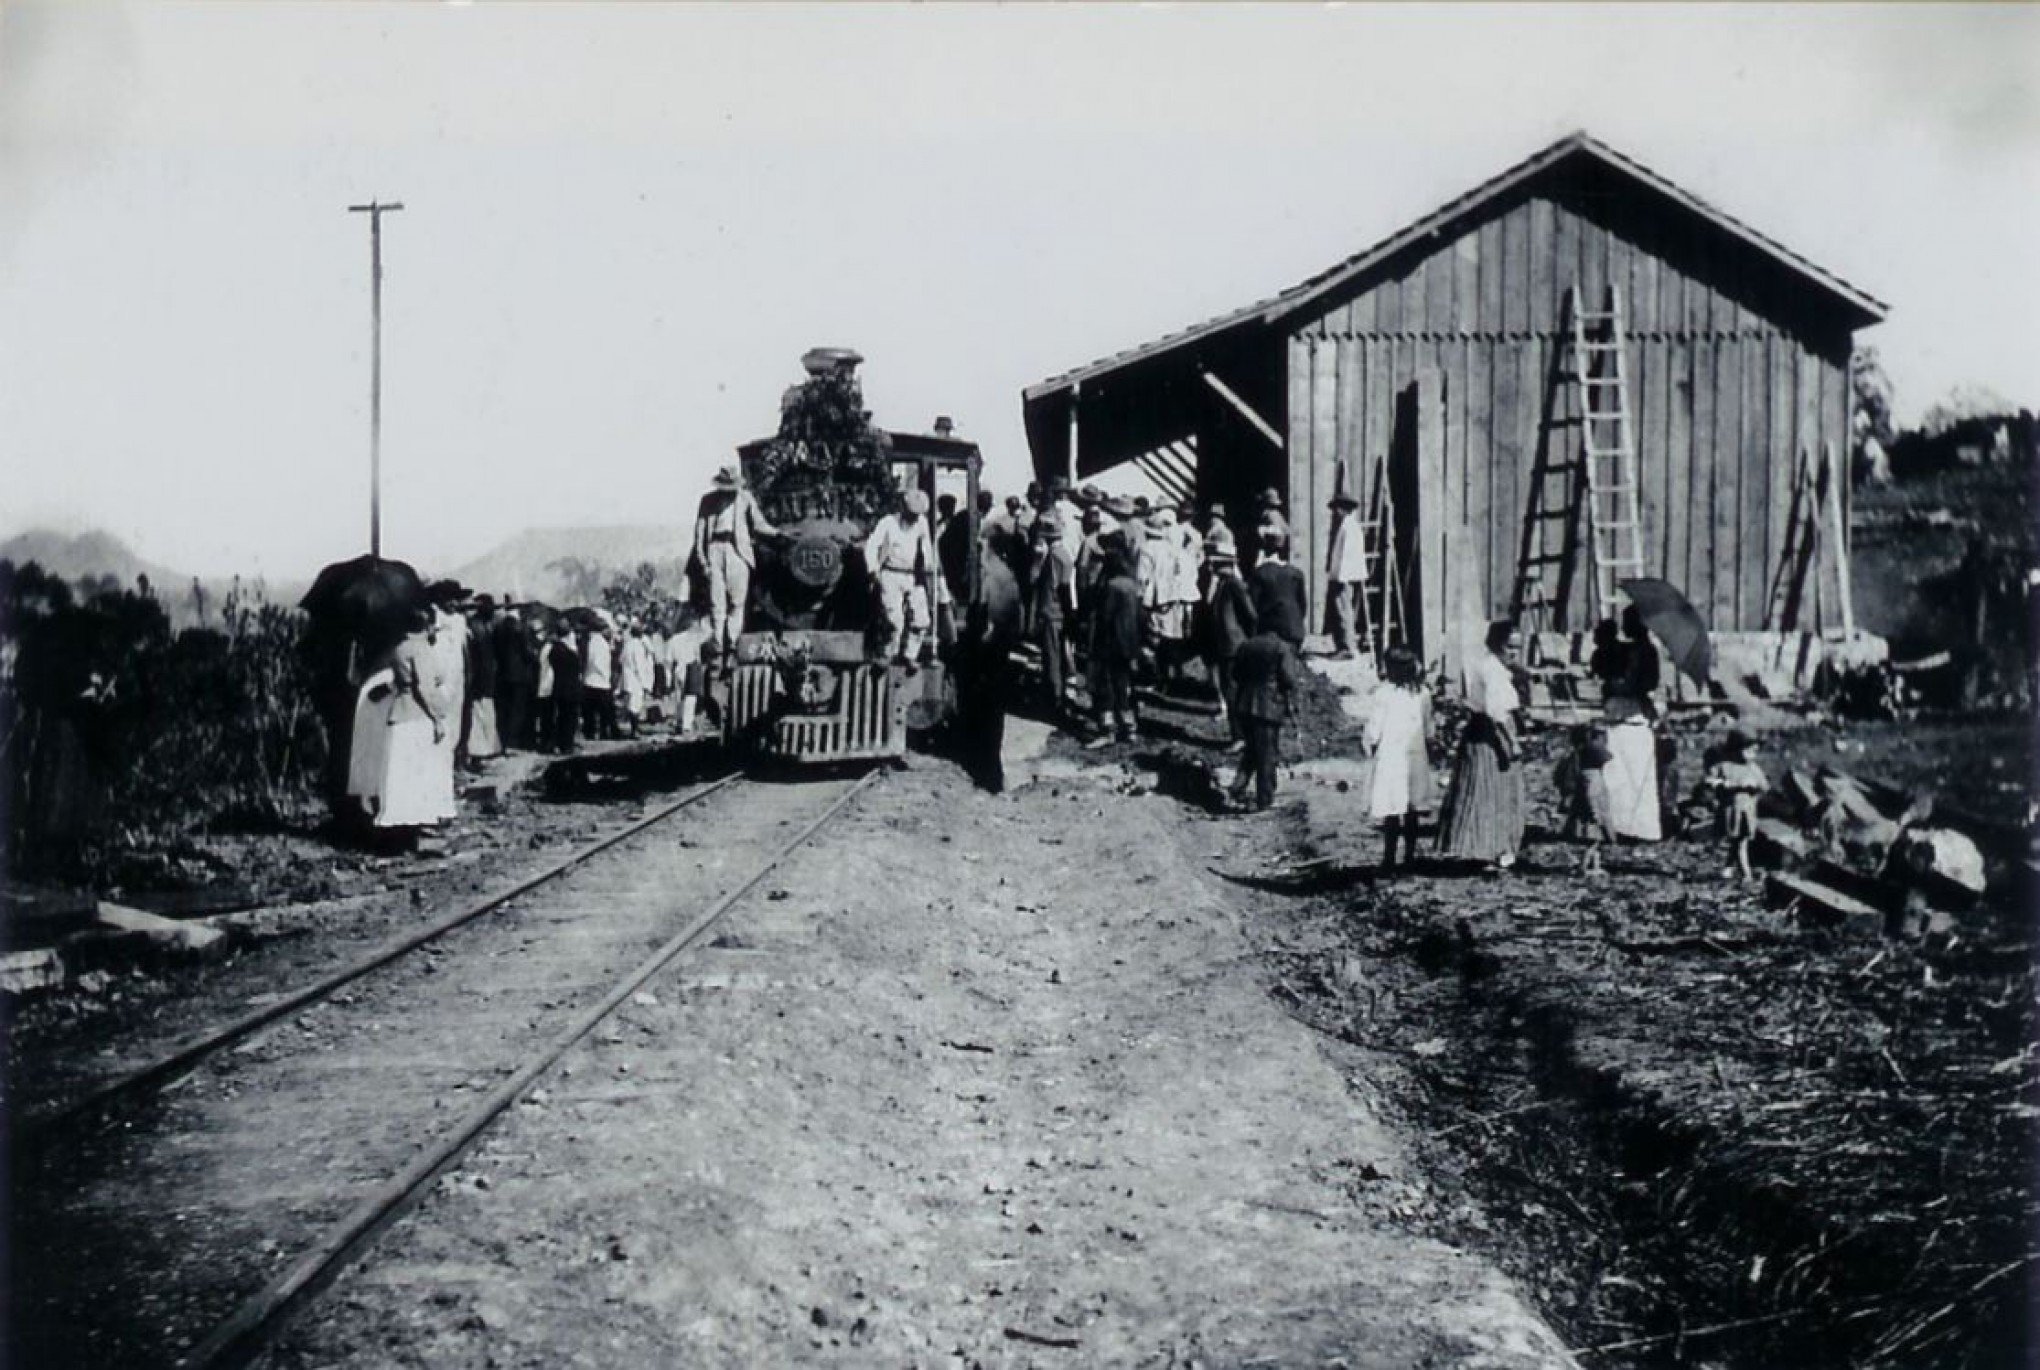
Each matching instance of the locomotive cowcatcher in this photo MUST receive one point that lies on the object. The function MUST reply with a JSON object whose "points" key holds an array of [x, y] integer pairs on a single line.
{"points": [[809, 680]]}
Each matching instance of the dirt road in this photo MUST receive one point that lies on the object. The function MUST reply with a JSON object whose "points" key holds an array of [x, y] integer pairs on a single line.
{"points": [[975, 1081]]}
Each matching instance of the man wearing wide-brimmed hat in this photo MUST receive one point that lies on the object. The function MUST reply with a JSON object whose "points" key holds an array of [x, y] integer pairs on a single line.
{"points": [[1228, 621], [1052, 588], [1345, 567], [901, 557], [724, 528]]}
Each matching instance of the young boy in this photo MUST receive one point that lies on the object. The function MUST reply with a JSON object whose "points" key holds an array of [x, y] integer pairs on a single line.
{"points": [[1735, 781], [1583, 793]]}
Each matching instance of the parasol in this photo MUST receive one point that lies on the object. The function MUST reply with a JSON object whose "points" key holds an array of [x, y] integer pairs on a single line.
{"points": [[1673, 621], [370, 599]]}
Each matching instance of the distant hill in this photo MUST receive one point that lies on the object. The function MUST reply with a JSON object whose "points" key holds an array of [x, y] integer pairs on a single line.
{"points": [[78, 556], [93, 555], [565, 566]]}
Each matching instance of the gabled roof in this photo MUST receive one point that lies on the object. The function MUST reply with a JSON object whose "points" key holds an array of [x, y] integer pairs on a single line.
{"points": [[1437, 223]]}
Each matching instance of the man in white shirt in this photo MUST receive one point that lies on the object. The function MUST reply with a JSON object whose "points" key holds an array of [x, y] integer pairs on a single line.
{"points": [[901, 558], [1345, 573], [598, 697]]}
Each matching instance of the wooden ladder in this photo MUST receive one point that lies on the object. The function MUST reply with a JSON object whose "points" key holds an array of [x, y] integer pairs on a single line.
{"points": [[1381, 622], [1600, 370]]}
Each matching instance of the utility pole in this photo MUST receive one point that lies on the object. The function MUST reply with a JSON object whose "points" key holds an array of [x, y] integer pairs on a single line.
{"points": [[375, 209]]}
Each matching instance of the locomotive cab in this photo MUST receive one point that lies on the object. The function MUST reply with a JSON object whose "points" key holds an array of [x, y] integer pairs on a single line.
{"points": [[809, 679]]}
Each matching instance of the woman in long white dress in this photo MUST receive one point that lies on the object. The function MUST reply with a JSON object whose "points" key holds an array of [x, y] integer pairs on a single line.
{"points": [[416, 788], [1632, 770]]}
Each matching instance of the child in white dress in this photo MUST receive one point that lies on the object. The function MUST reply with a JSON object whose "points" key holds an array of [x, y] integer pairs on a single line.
{"points": [[1398, 731]]}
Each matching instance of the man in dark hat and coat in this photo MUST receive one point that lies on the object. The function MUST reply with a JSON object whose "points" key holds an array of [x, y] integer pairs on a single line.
{"points": [[1264, 680], [1281, 600], [984, 658], [1228, 623], [1115, 645], [516, 655]]}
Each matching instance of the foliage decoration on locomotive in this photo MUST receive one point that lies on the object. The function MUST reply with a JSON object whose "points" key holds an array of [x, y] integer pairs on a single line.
{"points": [[809, 680]]}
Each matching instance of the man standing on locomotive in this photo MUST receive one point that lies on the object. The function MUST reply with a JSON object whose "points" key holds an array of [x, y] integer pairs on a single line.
{"points": [[901, 556], [724, 526]]}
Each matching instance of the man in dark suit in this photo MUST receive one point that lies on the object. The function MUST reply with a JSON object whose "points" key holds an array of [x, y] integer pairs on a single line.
{"points": [[516, 678], [1115, 647], [984, 659], [1281, 602], [1229, 620], [1264, 679]]}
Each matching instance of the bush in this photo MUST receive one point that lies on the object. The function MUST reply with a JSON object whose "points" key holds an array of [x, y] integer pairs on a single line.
{"points": [[117, 734]]}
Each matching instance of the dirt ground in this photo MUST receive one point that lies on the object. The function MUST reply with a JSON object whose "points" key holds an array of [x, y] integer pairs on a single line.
{"points": [[1080, 1075], [978, 1081]]}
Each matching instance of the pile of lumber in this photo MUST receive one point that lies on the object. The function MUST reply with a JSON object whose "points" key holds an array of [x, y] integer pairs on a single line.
{"points": [[1851, 853]]}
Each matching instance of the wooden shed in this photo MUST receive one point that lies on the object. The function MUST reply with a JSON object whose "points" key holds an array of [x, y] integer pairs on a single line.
{"points": [[1438, 367]]}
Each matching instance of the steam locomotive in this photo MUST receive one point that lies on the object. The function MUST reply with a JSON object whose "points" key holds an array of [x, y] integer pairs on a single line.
{"points": [[809, 679]]}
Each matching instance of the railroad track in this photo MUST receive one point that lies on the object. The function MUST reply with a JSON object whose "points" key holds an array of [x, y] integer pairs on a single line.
{"points": [[276, 1145]]}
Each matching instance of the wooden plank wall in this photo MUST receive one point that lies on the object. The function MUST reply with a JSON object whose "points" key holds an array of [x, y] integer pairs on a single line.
{"points": [[1723, 398]]}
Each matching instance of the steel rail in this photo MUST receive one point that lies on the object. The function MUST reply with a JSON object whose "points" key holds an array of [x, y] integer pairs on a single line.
{"points": [[244, 1332], [37, 1131]]}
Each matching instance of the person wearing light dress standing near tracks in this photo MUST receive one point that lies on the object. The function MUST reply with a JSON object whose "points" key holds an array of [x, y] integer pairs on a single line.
{"points": [[1629, 674], [449, 639], [1398, 732], [401, 768], [1483, 815], [634, 675]]}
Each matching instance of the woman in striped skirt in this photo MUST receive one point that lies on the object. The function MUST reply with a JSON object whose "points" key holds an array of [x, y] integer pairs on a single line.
{"points": [[1483, 815]]}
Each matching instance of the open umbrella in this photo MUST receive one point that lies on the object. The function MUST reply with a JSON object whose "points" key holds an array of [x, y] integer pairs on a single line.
{"points": [[370, 599], [1673, 620]]}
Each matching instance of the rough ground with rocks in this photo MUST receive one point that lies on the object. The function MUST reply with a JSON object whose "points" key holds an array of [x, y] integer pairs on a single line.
{"points": [[978, 1080]]}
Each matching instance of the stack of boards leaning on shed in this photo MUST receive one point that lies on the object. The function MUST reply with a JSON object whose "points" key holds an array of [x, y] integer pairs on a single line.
{"points": [[1437, 366]]}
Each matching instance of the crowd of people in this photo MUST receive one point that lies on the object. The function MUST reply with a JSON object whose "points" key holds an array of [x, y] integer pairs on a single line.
{"points": [[1614, 782], [1116, 590], [471, 680], [1101, 594]]}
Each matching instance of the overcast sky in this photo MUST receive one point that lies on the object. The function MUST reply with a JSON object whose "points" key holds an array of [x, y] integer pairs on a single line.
{"points": [[624, 224]]}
